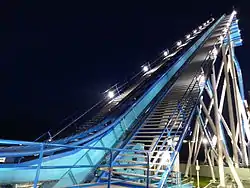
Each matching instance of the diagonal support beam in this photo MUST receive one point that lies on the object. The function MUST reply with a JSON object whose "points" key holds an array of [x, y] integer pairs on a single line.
{"points": [[236, 99], [218, 130], [230, 107]]}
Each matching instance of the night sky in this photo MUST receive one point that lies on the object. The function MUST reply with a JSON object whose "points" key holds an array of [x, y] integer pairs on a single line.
{"points": [[57, 57]]}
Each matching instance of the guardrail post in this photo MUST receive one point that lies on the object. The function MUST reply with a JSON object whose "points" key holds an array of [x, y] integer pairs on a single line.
{"points": [[148, 160], [39, 166], [110, 168]]}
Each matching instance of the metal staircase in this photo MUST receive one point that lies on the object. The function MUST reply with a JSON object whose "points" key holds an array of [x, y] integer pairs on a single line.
{"points": [[158, 136], [165, 127], [149, 134]]}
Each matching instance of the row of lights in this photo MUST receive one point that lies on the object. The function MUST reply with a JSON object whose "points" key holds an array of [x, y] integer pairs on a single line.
{"points": [[214, 141], [214, 52], [188, 36], [194, 31], [146, 68]]}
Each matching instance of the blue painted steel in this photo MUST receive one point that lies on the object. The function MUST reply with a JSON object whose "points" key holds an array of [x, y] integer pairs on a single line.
{"points": [[111, 136], [38, 166], [179, 144], [131, 115], [234, 33], [181, 110], [240, 79], [132, 158]]}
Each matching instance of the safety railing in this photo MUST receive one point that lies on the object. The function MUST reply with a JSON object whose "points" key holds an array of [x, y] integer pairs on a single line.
{"points": [[187, 100], [131, 112], [207, 57], [38, 167], [179, 114]]}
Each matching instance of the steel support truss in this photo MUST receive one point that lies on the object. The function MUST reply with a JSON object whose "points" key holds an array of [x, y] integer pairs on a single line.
{"points": [[222, 119]]}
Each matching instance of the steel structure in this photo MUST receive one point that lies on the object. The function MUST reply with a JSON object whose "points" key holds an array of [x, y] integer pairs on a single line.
{"points": [[136, 136]]}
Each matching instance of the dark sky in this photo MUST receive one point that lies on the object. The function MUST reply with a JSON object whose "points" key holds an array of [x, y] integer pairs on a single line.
{"points": [[57, 57]]}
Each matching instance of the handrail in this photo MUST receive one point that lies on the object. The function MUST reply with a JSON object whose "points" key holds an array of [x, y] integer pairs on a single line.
{"points": [[162, 182], [41, 153], [180, 111], [118, 87], [187, 93], [176, 110], [177, 65], [180, 61]]}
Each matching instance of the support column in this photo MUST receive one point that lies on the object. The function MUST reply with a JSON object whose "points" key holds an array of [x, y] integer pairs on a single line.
{"points": [[205, 151], [197, 137], [230, 108], [199, 144], [212, 158], [236, 99], [176, 169], [218, 130], [210, 165], [191, 147]]}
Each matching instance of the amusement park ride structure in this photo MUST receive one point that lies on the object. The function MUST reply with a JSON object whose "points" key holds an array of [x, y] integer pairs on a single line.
{"points": [[135, 138]]}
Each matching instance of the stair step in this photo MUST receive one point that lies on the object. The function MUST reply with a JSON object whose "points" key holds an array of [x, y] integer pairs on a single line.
{"points": [[138, 156], [135, 162], [136, 168], [150, 136], [136, 175], [154, 128], [154, 132], [145, 145], [138, 141], [132, 183], [161, 122]]}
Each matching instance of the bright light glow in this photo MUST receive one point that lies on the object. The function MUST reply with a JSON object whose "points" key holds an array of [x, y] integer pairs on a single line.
{"points": [[201, 80], [204, 24], [215, 51], [111, 94], [188, 36], [214, 140], [165, 53], [200, 27], [178, 43], [195, 31], [2, 159], [145, 68], [208, 22], [166, 157], [221, 38], [170, 142], [234, 12], [205, 141]]}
